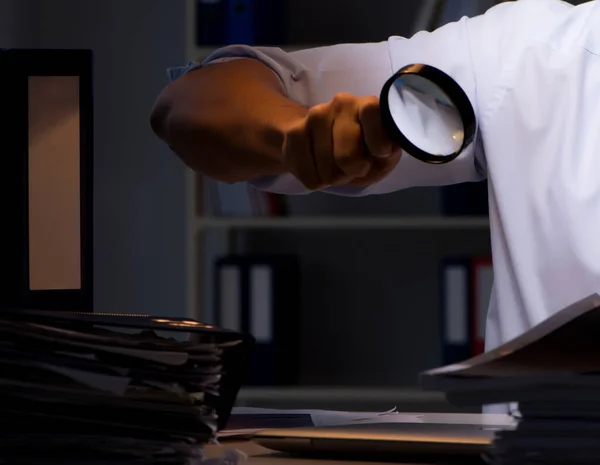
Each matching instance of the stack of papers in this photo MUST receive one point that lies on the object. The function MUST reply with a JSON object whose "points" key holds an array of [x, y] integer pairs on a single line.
{"points": [[93, 388], [552, 375]]}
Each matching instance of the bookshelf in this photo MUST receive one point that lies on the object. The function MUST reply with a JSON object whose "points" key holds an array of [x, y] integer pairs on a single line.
{"points": [[210, 236]]}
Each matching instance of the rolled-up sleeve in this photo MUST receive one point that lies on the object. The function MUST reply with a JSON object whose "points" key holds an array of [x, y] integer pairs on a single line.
{"points": [[314, 76]]}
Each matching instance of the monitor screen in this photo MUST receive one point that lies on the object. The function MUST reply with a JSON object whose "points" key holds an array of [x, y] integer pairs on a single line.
{"points": [[54, 193]]}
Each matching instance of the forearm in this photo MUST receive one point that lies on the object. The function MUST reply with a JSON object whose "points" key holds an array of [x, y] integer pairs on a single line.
{"points": [[227, 120]]}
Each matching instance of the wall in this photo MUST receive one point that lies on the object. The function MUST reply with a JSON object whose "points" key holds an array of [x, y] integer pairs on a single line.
{"points": [[336, 21], [140, 204], [16, 28]]}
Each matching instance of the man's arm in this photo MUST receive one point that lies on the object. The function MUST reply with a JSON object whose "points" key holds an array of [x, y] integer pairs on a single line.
{"points": [[235, 121], [227, 120], [282, 114]]}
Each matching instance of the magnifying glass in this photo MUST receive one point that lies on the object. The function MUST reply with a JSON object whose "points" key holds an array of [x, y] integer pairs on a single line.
{"points": [[427, 113]]}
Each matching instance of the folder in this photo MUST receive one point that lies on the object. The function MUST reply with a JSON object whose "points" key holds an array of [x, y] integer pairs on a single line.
{"points": [[229, 296], [249, 22], [456, 314], [482, 275], [211, 20], [466, 199], [240, 24], [466, 289], [271, 22], [259, 295]]}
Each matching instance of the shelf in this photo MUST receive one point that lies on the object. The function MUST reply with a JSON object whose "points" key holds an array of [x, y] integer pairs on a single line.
{"points": [[332, 222]]}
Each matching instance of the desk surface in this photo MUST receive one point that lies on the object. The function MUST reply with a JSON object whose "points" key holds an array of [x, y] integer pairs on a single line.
{"points": [[258, 455]]}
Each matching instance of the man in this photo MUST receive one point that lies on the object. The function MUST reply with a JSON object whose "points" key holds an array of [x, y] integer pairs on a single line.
{"points": [[304, 121]]}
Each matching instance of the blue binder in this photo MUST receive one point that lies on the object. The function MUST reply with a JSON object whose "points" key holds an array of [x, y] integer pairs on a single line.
{"points": [[249, 22], [456, 310], [240, 22], [467, 199]]}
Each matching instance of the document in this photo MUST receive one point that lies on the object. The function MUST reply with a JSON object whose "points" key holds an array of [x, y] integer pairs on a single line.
{"points": [[81, 392], [246, 421]]}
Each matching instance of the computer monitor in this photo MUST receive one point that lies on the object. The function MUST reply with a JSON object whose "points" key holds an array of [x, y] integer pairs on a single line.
{"points": [[46, 171]]}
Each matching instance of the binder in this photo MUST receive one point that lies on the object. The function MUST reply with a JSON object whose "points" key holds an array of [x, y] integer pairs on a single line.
{"points": [[229, 296], [482, 275], [259, 295], [249, 22], [466, 288], [455, 318], [240, 24], [467, 199], [223, 22]]}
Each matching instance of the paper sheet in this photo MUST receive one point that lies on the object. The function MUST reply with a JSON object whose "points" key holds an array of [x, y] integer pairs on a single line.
{"points": [[114, 384], [258, 419], [330, 418], [340, 418]]}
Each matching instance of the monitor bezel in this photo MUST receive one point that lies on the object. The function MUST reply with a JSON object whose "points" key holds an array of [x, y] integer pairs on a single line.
{"points": [[16, 66]]}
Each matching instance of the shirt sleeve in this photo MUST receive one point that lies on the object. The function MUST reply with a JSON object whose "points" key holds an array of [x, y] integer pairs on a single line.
{"points": [[315, 75]]}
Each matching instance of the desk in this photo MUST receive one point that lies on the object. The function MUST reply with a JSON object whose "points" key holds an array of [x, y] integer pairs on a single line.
{"points": [[258, 455]]}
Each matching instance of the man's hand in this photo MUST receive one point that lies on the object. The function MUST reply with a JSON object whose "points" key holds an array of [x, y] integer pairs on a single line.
{"points": [[340, 143]]}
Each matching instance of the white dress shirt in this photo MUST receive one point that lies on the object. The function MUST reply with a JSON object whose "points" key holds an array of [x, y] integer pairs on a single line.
{"points": [[531, 69]]}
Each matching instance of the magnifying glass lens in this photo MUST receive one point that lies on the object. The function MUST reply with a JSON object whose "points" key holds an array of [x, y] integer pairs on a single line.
{"points": [[426, 116]]}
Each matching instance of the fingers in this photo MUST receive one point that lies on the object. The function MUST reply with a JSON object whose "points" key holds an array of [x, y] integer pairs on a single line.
{"points": [[340, 142], [298, 156], [374, 134], [320, 129], [381, 168], [350, 152]]}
